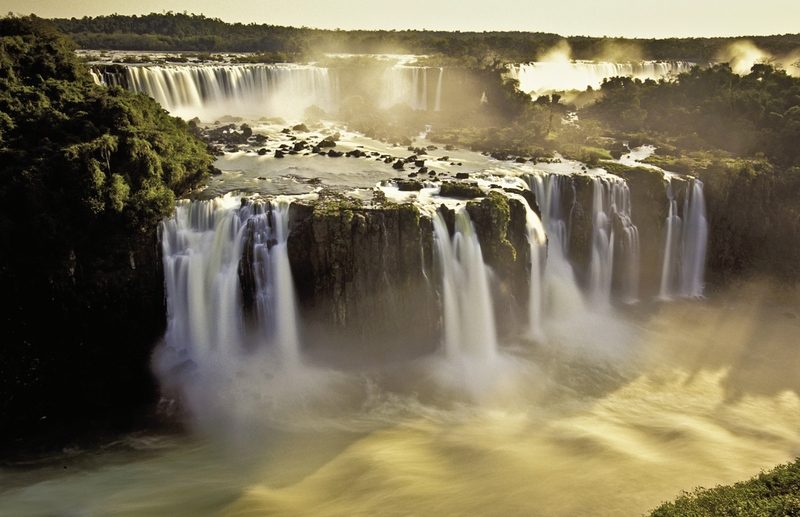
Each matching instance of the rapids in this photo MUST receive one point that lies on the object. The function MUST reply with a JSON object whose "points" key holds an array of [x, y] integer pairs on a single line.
{"points": [[691, 399]]}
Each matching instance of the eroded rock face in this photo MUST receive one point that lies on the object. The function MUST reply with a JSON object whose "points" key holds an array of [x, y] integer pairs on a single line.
{"points": [[580, 227], [361, 270], [367, 273], [649, 214]]}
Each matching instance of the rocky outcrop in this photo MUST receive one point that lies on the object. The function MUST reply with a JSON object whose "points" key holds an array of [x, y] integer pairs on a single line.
{"points": [[649, 214], [581, 225], [363, 270]]}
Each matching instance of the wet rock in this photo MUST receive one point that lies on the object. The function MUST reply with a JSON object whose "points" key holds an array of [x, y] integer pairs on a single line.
{"points": [[398, 165], [409, 185], [528, 195], [279, 153], [335, 154], [462, 175], [461, 190], [262, 151], [360, 271], [300, 127], [328, 141]]}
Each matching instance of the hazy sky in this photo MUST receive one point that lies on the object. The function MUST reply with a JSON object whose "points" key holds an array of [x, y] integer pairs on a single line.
{"points": [[632, 18]]}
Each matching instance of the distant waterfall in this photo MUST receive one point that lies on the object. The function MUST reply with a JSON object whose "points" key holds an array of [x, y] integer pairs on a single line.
{"points": [[204, 248], [685, 242], [410, 85], [611, 212], [438, 99], [213, 91], [468, 313], [544, 77]]}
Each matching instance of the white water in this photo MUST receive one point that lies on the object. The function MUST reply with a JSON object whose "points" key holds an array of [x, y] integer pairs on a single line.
{"points": [[254, 91], [564, 75], [561, 296], [537, 241], [611, 207], [468, 313], [203, 244], [411, 86], [685, 242], [695, 239]]}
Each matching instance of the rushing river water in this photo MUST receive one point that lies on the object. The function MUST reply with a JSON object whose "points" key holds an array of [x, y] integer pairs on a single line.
{"points": [[689, 394]]}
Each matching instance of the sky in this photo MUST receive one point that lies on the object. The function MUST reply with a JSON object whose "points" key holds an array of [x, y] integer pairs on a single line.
{"points": [[628, 18]]}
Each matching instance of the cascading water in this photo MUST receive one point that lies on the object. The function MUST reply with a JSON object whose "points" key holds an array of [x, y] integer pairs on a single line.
{"points": [[686, 239], [555, 195], [438, 99], [409, 85], [469, 325], [549, 76], [212, 91], [537, 242], [611, 208], [204, 248]]}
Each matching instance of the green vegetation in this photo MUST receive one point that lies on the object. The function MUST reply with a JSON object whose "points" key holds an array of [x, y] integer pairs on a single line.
{"points": [[86, 175], [711, 109], [183, 32], [776, 492]]}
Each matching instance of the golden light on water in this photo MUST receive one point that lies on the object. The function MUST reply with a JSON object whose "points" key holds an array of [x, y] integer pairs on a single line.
{"points": [[708, 396]]}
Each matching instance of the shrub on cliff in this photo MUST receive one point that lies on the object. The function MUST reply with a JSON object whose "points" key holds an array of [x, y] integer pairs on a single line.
{"points": [[86, 174]]}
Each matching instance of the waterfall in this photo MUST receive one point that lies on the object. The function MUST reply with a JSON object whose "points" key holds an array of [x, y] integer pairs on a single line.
{"points": [[212, 251], [213, 91], [611, 210], [549, 191], [537, 242], [695, 240], [438, 102], [555, 195], [545, 76], [469, 326], [409, 85], [686, 239]]}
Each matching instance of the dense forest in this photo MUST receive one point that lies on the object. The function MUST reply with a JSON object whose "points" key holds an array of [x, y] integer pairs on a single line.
{"points": [[187, 32], [86, 175]]}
